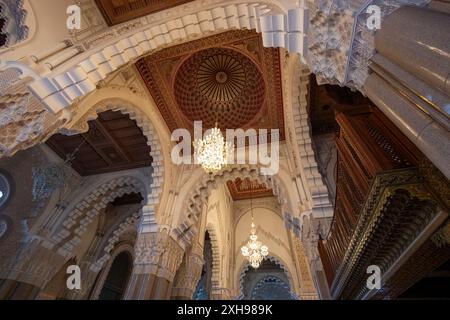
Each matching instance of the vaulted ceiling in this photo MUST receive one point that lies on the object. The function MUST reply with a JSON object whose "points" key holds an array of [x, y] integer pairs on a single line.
{"points": [[118, 11], [228, 78], [114, 142]]}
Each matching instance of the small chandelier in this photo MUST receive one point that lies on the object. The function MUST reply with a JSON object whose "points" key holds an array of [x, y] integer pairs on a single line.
{"points": [[254, 251], [212, 151]]}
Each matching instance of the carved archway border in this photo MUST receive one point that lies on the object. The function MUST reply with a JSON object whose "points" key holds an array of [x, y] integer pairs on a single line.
{"points": [[186, 230], [295, 90], [246, 266], [123, 247], [216, 257], [85, 209], [129, 224], [156, 181]]}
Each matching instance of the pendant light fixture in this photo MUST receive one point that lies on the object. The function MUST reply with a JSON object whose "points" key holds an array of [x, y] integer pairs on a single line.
{"points": [[254, 250]]}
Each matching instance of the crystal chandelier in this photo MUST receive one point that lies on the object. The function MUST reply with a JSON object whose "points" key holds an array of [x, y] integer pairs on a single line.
{"points": [[212, 151], [254, 251]]}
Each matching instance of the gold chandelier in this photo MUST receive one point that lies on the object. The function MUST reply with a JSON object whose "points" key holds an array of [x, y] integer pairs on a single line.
{"points": [[212, 151], [254, 250]]}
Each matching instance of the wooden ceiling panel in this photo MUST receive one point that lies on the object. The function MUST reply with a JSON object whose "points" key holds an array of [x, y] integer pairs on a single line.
{"points": [[203, 80], [241, 189], [119, 11], [114, 142]]}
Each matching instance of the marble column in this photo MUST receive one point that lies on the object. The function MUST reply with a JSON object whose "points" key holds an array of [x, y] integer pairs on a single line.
{"points": [[158, 257], [410, 79], [189, 274], [417, 40]]}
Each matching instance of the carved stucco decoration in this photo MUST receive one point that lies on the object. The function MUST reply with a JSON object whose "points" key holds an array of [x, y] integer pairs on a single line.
{"points": [[129, 225], [340, 42], [188, 274], [13, 15], [157, 253], [307, 287], [24, 121], [156, 177], [67, 222], [186, 230]]}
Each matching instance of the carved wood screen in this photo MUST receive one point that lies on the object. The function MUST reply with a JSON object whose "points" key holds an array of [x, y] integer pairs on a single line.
{"points": [[376, 166]]}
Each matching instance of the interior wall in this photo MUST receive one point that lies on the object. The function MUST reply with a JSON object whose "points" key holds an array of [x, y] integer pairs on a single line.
{"points": [[271, 232]]}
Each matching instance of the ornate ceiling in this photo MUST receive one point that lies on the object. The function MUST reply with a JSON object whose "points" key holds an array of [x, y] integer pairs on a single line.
{"points": [[241, 189], [118, 11], [229, 78], [114, 142], [220, 85]]}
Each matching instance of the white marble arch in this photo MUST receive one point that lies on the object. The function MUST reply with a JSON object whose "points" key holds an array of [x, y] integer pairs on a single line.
{"points": [[194, 193], [148, 118]]}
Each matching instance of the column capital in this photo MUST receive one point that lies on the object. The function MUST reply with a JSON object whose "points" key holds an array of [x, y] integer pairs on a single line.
{"points": [[157, 253]]}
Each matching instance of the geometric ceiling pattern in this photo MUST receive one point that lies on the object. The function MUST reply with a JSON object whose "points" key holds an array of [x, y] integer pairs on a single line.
{"points": [[241, 189], [118, 11], [220, 85], [229, 78]]}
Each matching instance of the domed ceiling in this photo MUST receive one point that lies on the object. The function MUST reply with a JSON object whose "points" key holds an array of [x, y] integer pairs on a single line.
{"points": [[229, 78], [220, 85]]}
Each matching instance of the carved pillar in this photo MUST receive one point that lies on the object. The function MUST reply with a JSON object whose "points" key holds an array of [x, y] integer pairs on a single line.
{"points": [[158, 257], [188, 274]]}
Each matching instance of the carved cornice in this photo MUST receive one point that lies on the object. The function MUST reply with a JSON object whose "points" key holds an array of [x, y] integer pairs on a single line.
{"points": [[442, 237], [397, 209]]}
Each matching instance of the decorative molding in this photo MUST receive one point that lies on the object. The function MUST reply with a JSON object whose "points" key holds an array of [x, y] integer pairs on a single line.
{"points": [[157, 253], [216, 258], [186, 230], [188, 275], [340, 43], [397, 197], [442, 237], [130, 224]]}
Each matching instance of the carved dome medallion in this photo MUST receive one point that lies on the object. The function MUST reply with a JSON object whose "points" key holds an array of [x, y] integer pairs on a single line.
{"points": [[220, 84]]}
